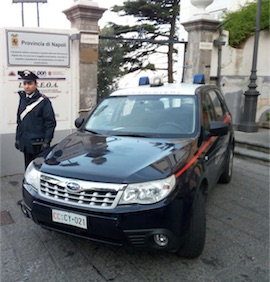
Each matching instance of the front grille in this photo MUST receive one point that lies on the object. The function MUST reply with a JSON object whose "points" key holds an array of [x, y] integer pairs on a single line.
{"points": [[90, 194]]}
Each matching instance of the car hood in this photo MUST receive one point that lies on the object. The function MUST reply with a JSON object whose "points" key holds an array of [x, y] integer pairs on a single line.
{"points": [[115, 159]]}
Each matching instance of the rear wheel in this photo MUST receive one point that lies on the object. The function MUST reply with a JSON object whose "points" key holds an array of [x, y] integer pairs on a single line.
{"points": [[195, 241], [226, 176]]}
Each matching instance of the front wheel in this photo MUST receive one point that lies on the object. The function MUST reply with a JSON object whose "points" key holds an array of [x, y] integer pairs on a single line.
{"points": [[195, 241], [226, 176]]}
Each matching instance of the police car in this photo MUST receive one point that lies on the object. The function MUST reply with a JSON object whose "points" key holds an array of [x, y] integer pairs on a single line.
{"points": [[138, 169]]}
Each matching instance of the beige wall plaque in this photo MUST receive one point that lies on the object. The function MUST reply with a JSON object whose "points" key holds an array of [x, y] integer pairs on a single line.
{"points": [[89, 38], [206, 46]]}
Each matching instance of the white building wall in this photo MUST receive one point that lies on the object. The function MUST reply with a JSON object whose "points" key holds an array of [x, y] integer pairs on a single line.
{"points": [[187, 10], [236, 63], [235, 73]]}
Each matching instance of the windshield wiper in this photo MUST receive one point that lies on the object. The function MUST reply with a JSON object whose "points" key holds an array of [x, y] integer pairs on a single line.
{"points": [[91, 131], [131, 135]]}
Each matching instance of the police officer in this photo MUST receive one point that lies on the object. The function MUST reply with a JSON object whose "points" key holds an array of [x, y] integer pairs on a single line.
{"points": [[35, 119]]}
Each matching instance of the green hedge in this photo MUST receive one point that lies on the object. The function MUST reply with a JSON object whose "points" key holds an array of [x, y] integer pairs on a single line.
{"points": [[241, 24]]}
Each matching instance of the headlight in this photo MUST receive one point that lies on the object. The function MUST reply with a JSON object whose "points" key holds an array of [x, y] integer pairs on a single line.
{"points": [[148, 192], [32, 176]]}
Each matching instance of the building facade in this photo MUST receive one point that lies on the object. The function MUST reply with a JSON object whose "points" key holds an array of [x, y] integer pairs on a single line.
{"points": [[236, 64]]}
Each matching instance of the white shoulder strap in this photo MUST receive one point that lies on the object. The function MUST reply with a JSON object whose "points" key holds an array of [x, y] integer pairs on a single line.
{"points": [[30, 107]]}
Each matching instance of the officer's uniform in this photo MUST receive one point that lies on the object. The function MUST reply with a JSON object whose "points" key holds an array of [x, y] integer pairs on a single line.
{"points": [[35, 121]]}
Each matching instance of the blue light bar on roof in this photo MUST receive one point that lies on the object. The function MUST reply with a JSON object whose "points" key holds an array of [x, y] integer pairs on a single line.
{"points": [[199, 79], [144, 80]]}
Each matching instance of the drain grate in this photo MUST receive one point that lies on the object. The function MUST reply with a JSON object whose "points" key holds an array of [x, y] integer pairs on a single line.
{"points": [[6, 218]]}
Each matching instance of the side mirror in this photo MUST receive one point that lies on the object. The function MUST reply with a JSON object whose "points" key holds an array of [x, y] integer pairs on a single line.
{"points": [[218, 128], [79, 121]]}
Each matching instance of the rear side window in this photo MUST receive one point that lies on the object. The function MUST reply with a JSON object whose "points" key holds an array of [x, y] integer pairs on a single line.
{"points": [[207, 106], [207, 111], [218, 107]]}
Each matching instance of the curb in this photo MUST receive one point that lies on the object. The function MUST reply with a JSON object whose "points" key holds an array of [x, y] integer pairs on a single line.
{"points": [[253, 146], [247, 153]]}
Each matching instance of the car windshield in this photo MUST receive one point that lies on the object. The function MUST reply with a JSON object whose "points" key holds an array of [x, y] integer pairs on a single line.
{"points": [[145, 116]]}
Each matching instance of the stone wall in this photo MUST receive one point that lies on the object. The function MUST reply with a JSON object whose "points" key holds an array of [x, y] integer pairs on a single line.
{"points": [[235, 72]]}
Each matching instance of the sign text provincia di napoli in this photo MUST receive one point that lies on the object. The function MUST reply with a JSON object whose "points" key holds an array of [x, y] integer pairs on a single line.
{"points": [[37, 49]]}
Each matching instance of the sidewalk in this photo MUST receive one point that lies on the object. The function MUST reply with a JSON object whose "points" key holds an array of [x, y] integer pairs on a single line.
{"points": [[254, 145]]}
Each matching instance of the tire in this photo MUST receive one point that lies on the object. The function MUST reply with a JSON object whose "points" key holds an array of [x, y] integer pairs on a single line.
{"points": [[195, 241], [226, 176]]}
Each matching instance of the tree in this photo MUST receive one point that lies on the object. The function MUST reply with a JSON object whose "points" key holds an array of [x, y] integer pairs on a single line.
{"points": [[156, 20], [110, 62]]}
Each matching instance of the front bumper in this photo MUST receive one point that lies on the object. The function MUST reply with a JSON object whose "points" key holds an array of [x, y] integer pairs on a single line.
{"points": [[123, 226]]}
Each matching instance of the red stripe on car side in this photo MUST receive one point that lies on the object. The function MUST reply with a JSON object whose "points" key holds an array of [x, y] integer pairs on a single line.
{"points": [[191, 162], [227, 118]]}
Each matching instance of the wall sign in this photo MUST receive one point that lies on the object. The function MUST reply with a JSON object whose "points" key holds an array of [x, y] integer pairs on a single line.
{"points": [[89, 38], [53, 82], [206, 46], [37, 49]]}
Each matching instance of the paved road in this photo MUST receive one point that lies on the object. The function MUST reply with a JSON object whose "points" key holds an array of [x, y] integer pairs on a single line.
{"points": [[237, 243]]}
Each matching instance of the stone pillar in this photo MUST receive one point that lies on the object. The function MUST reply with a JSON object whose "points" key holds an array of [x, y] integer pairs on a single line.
{"points": [[84, 16], [201, 28]]}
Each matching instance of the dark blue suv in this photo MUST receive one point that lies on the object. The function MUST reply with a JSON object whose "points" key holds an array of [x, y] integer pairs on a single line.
{"points": [[137, 170]]}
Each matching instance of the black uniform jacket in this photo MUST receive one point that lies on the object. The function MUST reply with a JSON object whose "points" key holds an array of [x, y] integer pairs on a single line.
{"points": [[35, 121]]}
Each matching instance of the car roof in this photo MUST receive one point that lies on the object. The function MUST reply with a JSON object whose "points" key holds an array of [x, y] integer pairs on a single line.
{"points": [[168, 89]]}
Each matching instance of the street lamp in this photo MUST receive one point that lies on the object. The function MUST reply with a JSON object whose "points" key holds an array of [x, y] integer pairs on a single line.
{"points": [[251, 95]]}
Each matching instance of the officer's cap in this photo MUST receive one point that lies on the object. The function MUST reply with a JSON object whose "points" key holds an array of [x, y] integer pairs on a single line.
{"points": [[27, 76]]}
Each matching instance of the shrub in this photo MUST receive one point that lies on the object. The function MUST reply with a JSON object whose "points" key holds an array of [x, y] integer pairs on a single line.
{"points": [[241, 24]]}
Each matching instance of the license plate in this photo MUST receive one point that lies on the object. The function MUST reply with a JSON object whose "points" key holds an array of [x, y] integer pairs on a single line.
{"points": [[69, 218]]}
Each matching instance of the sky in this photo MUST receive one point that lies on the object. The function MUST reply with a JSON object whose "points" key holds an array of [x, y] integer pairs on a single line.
{"points": [[50, 13]]}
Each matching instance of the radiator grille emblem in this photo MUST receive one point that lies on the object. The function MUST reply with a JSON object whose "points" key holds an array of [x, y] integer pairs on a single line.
{"points": [[73, 187]]}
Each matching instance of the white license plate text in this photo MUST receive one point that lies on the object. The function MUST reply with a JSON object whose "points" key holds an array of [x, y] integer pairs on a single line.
{"points": [[69, 218]]}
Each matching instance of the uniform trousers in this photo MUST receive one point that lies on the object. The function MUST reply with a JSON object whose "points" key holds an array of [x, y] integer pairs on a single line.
{"points": [[28, 158]]}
